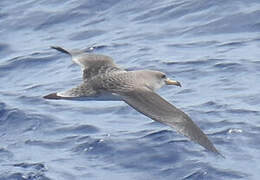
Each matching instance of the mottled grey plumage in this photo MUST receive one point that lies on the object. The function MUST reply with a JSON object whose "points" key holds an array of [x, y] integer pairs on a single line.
{"points": [[104, 80]]}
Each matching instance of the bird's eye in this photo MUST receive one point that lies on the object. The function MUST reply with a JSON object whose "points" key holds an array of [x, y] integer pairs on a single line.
{"points": [[163, 76]]}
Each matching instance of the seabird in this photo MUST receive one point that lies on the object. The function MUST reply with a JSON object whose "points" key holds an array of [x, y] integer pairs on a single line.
{"points": [[104, 80]]}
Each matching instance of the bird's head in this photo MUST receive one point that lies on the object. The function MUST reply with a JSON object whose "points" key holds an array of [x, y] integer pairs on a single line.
{"points": [[155, 79]]}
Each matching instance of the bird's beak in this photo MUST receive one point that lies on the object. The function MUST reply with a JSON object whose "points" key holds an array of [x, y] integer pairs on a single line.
{"points": [[172, 82]]}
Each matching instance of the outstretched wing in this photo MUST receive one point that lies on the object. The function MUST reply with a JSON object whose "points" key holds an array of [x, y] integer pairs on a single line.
{"points": [[77, 93], [158, 109], [91, 64]]}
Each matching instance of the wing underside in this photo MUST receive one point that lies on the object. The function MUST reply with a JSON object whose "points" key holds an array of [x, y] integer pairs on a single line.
{"points": [[158, 109]]}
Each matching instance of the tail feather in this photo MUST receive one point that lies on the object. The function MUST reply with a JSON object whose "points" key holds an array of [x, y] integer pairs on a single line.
{"points": [[61, 49]]}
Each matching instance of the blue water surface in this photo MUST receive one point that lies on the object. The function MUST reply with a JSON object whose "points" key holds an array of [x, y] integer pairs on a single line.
{"points": [[211, 47]]}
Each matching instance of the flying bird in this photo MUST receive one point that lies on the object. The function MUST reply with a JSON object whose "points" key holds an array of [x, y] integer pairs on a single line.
{"points": [[104, 80]]}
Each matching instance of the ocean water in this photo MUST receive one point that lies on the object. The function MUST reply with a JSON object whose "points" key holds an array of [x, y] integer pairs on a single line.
{"points": [[211, 47]]}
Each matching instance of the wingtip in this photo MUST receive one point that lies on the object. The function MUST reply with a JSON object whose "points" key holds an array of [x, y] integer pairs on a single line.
{"points": [[52, 96], [218, 153], [58, 48], [213, 149]]}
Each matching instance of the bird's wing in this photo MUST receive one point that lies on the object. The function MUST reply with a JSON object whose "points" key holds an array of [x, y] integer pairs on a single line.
{"points": [[152, 105], [91, 64], [76, 93]]}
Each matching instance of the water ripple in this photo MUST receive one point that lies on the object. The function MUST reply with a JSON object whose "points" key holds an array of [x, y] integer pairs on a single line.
{"points": [[211, 47]]}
